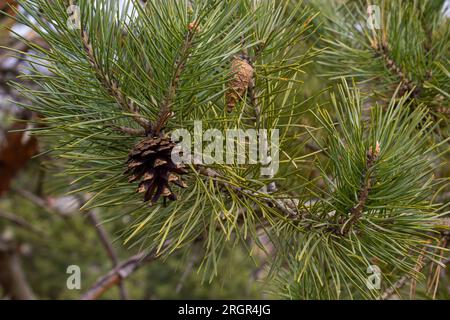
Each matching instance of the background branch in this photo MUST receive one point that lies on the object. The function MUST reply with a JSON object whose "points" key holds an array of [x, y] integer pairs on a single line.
{"points": [[20, 222], [104, 239], [122, 271], [12, 276]]}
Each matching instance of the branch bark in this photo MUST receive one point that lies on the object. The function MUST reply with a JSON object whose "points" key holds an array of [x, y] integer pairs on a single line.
{"points": [[382, 50], [287, 205], [12, 277], [20, 222], [180, 64], [363, 195], [110, 84], [122, 271], [104, 239]]}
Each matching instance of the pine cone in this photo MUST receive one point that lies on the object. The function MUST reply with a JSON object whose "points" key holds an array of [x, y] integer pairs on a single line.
{"points": [[242, 78], [150, 161]]}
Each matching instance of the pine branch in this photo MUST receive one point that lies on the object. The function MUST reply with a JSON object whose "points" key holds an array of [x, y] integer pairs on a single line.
{"points": [[286, 205], [112, 278], [387, 294], [410, 46], [110, 84], [20, 222], [167, 102], [121, 272], [443, 226], [104, 239], [363, 195], [129, 131], [127, 268], [39, 202], [382, 50], [12, 276]]}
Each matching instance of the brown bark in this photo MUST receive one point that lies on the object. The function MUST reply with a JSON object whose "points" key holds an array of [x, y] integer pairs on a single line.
{"points": [[113, 277], [12, 277], [104, 239]]}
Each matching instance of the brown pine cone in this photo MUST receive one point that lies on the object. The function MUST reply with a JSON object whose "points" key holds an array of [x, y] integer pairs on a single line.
{"points": [[242, 77], [150, 162]]}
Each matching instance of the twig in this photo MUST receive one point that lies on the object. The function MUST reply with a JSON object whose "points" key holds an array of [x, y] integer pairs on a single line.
{"points": [[363, 195], [434, 280], [286, 205], [395, 287], [45, 205], [382, 50], [12, 276], [38, 201], [104, 239], [446, 261], [103, 236], [167, 102], [388, 293], [109, 83], [129, 131], [418, 267], [20, 222], [122, 271], [423, 261], [187, 271]]}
